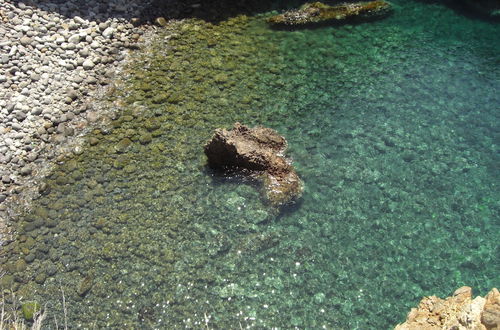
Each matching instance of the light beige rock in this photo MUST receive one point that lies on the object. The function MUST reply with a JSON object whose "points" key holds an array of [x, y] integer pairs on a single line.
{"points": [[458, 312], [491, 311]]}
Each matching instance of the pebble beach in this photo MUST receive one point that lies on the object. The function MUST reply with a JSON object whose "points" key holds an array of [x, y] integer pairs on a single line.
{"points": [[55, 59]]}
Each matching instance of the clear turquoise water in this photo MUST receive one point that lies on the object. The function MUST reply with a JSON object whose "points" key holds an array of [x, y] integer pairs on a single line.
{"points": [[393, 126]]}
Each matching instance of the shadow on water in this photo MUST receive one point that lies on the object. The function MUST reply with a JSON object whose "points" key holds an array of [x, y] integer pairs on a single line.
{"points": [[466, 9], [211, 11]]}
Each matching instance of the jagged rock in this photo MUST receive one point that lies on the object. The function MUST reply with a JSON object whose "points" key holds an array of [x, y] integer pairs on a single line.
{"points": [[318, 12], [459, 312], [258, 152], [491, 311]]}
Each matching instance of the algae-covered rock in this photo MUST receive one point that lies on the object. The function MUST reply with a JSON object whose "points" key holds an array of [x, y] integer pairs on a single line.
{"points": [[85, 285], [123, 145], [318, 12], [6, 281], [258, 152], [29, 310]]}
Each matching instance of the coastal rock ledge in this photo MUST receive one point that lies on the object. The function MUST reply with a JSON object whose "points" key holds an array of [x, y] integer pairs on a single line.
{"points": [[259, 153], [458, 312]]}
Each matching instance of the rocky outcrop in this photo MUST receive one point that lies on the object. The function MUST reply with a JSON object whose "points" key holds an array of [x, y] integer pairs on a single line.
{"points": [[318, 12], [258, 152], [457, 312]]}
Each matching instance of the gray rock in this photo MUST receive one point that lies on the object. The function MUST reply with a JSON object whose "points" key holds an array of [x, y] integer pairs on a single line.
{"points": [[88, 64], [74, 39], [25, 41], [32, 156], [103, 26], [108, 32], [91, 80], [79, 20], [26, 170], [36, 111], [60, 39], [20, 115], [73, 26], [78, 79], [16, 126], [30, 258], [92, 116], [78, 150], [72, 94], [5, 159], [2, 197], [51, 269]]}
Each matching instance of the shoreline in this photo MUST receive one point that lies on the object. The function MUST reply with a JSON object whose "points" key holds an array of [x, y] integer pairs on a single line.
{"points": [[55, 67]]}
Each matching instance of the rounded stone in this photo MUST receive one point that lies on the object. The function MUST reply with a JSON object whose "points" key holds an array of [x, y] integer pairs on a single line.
{"points": [[26, 170], [20, 265], [88, 64], [51, 269], [25, 41], [30, 258], [40, 278], [145, 138], [93, 141]]}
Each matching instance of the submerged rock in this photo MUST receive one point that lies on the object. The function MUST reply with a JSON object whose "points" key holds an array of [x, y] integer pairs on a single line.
{"points": [[85, 285], [318, 12], [457, 312], [258, 152]]}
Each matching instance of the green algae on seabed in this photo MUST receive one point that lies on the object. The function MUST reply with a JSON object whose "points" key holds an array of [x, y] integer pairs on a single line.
{"points": [[391, 124], [30, 309]]}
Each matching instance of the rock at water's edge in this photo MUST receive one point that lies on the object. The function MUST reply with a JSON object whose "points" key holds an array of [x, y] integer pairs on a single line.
{"points": [[318, 12], [258, 152], [458, 312]]}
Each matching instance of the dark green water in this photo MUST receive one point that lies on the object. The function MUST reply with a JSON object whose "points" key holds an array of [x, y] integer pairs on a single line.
{"points": [[393, 126]]}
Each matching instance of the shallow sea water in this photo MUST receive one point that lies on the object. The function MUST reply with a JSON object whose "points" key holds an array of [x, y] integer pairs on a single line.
{"points": [[393, 126]]}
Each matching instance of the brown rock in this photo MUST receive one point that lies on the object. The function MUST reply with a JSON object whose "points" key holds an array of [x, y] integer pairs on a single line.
{"points": [[257, 152], [458, 312], [491, 311]]}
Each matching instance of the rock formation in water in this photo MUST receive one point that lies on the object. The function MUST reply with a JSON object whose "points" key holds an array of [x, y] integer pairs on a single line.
{"points": [[458, 312], [318, 12], [258, 152]]}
